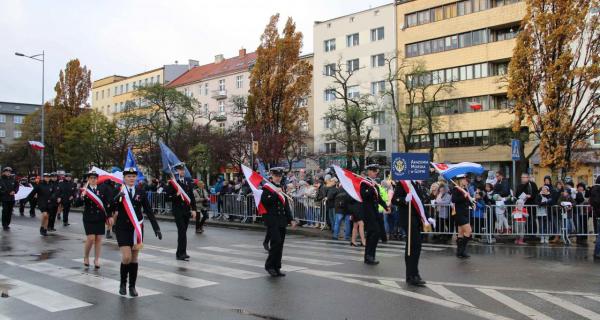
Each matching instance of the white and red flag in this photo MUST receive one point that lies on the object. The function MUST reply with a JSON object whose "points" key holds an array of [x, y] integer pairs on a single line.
{"points": [[103, 176], [36, 145], [351, 182], [184, 196], [415, 200], [255, 180]]}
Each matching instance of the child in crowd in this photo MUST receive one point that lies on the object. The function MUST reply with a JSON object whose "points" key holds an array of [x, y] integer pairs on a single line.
{"points": [[544, 202], [519, 216], [479, 212]]}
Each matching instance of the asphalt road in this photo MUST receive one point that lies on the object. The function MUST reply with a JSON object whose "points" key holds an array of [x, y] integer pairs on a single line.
{"points": [[225, 279]]}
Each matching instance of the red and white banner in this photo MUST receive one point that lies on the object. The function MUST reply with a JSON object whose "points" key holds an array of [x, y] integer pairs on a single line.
{"points": [[416, 201], [129, 209], [254, 179], [351, 182], [37, 145], [94, 198], [180, 191], [104, 176]]}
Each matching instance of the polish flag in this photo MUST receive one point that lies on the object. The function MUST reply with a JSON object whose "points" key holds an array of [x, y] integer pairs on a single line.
{"points": [[351, 182], [416, 201], [475, 106], [254, 179], [37, 145], [104, 176]]}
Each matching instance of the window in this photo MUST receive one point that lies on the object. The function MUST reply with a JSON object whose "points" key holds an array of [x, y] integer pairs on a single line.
{"points": [[424, 47], [329, 69], [504, 34], [479, 37], [222, 85], [97, 94], [239, 81], [121, 89], [411, 19], [423, 16], [500, 69], [2, 118], [451, 42], [378, 117], [221, 107], [18, 119], [206, 89], [437, 45], [2, 133], [152, 79], [17, 133], [378, 145], [158, 79], [206, 108], [329, 45], [353, 92], [352, 65], [377, 87], [438, 13], [121, 107], [302, 102], [330, 147], [116, 88], [377, 60], [412, 50], [115, 108], [464, 39], [352, 40], [438, 77], [329, 95], [464, 7], [450, 11], [329, 123], [127, 87], [146, 82], [139, 84], [377, 34], [480, 5]]}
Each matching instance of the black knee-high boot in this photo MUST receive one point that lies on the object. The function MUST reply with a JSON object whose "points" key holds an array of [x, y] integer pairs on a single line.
{"points": [[123, 285], [133, 271], [459, 243], [464, 249]]}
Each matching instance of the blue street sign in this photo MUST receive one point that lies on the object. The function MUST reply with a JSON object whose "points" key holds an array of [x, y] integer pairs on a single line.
{"points": [[410, 166], [516, 149]]}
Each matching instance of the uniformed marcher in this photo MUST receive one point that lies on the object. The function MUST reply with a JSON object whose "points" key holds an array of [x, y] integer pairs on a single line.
{"points": [[184, 207], [94, 217], [23, 183], [277, 217], [32, 198], [56, 201], [8, 189], [462, 206], [128, 238], [371, 200], [68, 191], [109, 189], [47, 194], [402, 200]]}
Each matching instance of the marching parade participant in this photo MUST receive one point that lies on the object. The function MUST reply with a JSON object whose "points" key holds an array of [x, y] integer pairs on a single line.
{"points": [[55, 203], [462, 206], [23, 183], [47, 194], [33, 182], [8, 189], [94, 217], [370, 207], [130, 203], [68, 191], [180, 192]]}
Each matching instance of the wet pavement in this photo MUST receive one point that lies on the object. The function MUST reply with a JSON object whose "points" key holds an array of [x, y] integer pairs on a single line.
{"points": [[42, 277]]}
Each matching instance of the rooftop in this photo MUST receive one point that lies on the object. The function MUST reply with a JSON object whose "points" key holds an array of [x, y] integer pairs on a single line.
{"points": [[17, 108]]}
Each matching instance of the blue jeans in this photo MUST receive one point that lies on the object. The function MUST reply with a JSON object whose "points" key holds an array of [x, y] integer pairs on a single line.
{"points": [[336, 226], [386, 223]]}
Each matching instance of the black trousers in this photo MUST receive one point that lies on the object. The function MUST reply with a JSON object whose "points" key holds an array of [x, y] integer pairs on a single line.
{"points": [[382, 233], [277, 237], [32, 205], [22, 204], [201, 218], [373, 236], [182, 220], [7, 209], [52, 217], [66, 209], [412, 261]]}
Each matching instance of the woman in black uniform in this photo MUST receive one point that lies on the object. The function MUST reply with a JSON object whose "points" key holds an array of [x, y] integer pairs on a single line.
{"points": [[358, 224], [94, 218], [125, 230], [462, 204]]}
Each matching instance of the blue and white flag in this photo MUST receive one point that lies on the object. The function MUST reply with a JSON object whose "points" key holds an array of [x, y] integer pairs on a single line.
{"points": [[130, 163], [449, 171], [169, 159]]}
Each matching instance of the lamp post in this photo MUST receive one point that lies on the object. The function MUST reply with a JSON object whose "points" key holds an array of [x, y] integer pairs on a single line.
{"points": [[39, 57]]}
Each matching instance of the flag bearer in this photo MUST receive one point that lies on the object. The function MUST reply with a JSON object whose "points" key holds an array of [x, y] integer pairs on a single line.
{"points": [[180, 192], [370, 207]]}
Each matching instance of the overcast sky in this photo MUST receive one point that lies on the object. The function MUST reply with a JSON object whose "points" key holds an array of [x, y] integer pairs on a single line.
{"points": [[130, 36]]}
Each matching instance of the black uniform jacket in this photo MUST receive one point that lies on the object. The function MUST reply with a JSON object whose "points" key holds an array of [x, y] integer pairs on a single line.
{"points": [[8, 185], [179, 205], [140, 204], [277, 211], [91, 212]]}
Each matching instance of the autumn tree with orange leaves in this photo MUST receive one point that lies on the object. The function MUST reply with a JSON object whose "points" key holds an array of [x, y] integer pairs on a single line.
{"points": [[278, 82], [554, 78]]}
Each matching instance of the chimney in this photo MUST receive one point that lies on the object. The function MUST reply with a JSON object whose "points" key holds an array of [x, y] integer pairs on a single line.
{"points": [[192, 63], [242, 52], [219, 58]]}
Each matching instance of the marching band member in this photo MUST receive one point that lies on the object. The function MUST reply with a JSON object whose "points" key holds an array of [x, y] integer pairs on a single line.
{"points": [[129, 228]]}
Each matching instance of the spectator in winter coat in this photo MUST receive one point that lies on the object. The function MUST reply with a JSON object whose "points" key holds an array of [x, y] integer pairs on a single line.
{"points": [[544, 202]]}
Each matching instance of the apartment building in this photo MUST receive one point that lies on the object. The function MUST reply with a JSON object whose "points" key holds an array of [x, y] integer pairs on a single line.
{"points": [[12, 115], [111, 94], [468, 43]]}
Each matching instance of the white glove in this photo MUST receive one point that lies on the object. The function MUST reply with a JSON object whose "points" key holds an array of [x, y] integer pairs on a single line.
{"points": [[408, 198], [431, 221]]}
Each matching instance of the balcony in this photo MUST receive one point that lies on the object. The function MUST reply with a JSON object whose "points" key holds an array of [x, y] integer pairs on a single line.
{"points": [[220, 117], [219, 94]]}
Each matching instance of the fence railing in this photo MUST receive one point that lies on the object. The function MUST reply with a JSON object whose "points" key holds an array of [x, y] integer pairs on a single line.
{"points": [[487, 222]]}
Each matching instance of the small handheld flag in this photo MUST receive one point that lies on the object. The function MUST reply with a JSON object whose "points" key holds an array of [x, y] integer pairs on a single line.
{"points": [[36, 145]]}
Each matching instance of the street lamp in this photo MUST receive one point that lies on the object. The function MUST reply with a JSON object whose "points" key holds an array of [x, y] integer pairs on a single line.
{"points": [[39, 57]]}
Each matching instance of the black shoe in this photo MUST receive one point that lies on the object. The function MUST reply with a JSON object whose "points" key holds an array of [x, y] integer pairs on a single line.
{"points": [[6, 228], [279, 273], [352, 244], [182, 258], [122, 289], [66, 224], [273, 272], [108, 235], [133, 292], [43, 232], [186, 256], [416, 281], [371, 262], [266, 245], [32, 215]]}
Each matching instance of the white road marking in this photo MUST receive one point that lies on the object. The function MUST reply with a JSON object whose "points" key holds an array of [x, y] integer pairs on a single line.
{"points": [[317, 262], [226, 259], [380, 247], [303, 252], [97, 282], [448, 295], [595, 298], [202, 267], [515, 305], [160, 275], [40, 297], [567, 305], [359, 252], [437, 301], [389, 283]]}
